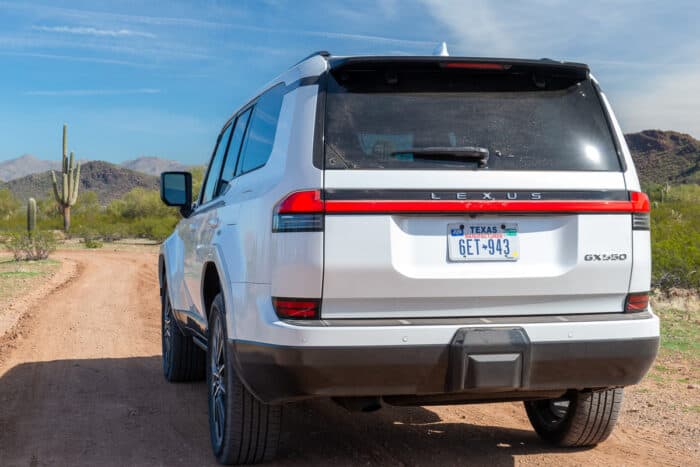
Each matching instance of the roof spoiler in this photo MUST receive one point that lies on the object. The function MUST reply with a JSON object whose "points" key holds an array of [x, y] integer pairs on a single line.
{"points": [[545, 66]]}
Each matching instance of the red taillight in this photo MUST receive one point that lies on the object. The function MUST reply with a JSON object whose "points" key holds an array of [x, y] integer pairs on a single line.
{"points": [[636, 302], [474, 66], [301, 211], [640, 202], [306, 202], [297, 308], [637, 203]]}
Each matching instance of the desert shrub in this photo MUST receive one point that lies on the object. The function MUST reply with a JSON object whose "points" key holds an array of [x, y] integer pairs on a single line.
{"points": [[92, 243], [17, 244], [139, 203], [91, 239], [87, 205], [155, 228], [8, 204], [25, 248]]}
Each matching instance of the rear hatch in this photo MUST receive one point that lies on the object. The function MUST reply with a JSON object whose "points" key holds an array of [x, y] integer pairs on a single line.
{"points": [[461, 188]]}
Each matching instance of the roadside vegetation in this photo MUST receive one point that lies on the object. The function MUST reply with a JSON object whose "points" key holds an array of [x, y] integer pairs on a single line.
{"points": [[680, 333], [138, 214], [675, 236]]}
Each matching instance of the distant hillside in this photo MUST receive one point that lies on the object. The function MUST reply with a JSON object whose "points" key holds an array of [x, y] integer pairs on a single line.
{"points": [[24, 165], [153, 165], [665, 156], [28, 165], [109, 181]]}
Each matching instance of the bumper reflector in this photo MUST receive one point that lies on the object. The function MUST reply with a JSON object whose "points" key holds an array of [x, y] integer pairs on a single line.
{"points": [[637, 302], [297, 308]]}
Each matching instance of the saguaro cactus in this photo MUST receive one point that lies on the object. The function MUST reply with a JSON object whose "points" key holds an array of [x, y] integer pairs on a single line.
{"points": [[67, 195], [31, 217]]}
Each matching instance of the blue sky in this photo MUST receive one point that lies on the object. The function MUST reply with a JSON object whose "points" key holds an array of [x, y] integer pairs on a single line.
{"points": [[138, 78]]}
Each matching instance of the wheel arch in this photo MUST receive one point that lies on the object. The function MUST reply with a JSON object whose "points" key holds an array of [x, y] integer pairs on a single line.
{"points": [[215, 280], [212, 285]]}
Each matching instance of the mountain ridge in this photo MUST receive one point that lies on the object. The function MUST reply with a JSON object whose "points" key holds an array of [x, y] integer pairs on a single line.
{"points": [[665, 156], [153, 165], [28, 164], [108, 181]]}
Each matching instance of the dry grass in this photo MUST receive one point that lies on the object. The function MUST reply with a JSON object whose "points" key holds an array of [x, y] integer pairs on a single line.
{"points": [[17, 278], [127, 244]]}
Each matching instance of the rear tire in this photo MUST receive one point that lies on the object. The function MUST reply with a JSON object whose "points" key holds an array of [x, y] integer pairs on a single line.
{"points": [[580, 418], [182, 359], [243, 429]]}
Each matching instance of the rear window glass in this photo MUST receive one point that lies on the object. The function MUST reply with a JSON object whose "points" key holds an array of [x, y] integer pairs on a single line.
{"points": [[487, 127]]}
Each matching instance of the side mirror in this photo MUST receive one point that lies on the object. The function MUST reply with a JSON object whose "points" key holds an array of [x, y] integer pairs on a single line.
{"points": [[176, 190]]}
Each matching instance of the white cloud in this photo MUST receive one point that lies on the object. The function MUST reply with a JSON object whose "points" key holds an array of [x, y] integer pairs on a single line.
{"points": [[87, 31], [364, 37], [671, 101], [151, 49], [91, 15], [534, 29], [474, 25], [92, 92], [389, 8], [71, 58]]}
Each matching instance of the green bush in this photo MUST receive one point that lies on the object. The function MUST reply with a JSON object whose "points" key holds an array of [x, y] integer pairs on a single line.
{"points": [[92, 243], [90, 239], [24, 248], [8, 204], [139, 203], [675, 237]]}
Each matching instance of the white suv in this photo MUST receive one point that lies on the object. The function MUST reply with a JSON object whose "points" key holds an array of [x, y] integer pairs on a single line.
{"points": [[412, 231]]}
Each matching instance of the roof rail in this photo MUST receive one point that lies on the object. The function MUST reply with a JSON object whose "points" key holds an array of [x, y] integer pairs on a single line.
{"points": [[322, 53]]}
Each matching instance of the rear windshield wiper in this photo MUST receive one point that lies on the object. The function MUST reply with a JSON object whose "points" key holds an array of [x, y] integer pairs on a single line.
{"points": [[474, 153]]}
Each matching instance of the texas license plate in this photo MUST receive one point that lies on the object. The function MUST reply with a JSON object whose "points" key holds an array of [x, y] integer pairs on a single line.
{"points": [[482, 241]]}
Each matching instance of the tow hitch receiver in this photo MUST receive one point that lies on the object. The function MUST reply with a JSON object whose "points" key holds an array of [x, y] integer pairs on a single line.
{"points": [[488, 358]]}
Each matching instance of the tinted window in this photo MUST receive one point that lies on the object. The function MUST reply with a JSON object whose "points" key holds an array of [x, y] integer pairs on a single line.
{"points": [[520, 125], [234, 148], [215, 166], [261, 130]]}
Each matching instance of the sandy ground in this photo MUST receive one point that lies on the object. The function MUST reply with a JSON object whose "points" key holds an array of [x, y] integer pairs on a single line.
{"points": [[26, 294], [83, 386]]}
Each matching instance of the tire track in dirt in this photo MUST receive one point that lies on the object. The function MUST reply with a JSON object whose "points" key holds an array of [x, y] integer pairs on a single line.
{"points": [[85, 387]]}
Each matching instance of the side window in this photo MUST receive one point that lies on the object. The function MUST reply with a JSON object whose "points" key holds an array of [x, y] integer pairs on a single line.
{"points": [[215, 166], [234, 149], [261, 130]]}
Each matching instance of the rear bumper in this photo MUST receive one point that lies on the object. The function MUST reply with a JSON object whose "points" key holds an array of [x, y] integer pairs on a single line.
{"points": [[478, 363]]}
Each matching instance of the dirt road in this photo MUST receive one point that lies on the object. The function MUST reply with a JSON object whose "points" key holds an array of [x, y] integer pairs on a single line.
{"points": [[83, 386]]}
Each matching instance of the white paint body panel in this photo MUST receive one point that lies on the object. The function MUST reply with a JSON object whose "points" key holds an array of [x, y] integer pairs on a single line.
{"points": [[397, 266]]}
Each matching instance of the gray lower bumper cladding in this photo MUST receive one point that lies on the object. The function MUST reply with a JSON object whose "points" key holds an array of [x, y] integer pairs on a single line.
{"points": [[480, 364]]}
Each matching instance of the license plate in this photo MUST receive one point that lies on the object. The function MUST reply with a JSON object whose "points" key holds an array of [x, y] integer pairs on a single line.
{"points": [[482, 241]]}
